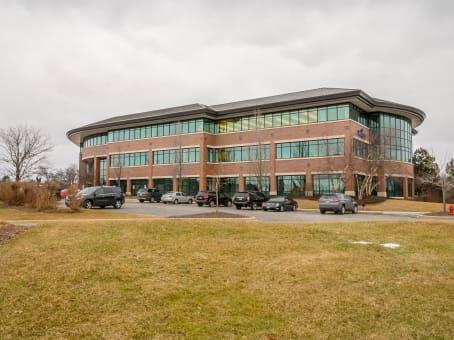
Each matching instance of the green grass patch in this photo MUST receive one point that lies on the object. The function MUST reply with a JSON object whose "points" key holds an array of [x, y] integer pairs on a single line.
{"points": [[228, 279]]}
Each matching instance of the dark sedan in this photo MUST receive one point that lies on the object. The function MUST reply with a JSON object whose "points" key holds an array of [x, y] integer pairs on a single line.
{"points": [[281, 203]]}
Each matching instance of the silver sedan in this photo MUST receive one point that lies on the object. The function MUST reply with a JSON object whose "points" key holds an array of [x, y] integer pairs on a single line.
{"points": [[176, 197]]}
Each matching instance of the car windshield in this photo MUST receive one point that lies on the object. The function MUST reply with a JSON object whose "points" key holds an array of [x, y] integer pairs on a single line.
{"points": [[88, 191], [277, 199], [141, 190], [170, 192], [242, 194], [329, 196]]}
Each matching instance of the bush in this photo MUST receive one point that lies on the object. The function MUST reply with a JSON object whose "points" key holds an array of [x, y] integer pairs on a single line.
{"points": [[75, 202], [28, 194]]}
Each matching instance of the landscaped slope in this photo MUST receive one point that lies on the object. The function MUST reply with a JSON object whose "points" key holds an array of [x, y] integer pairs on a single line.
{"points": [[225, 279]]}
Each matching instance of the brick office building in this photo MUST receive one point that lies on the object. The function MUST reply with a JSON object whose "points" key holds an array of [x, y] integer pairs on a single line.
{"points": [[304, 143]]}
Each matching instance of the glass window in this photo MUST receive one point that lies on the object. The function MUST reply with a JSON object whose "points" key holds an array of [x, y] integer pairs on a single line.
{"points": [[277, 120], [268, 120], [322, 148], [285, 119], [244, 123], [313, 148], [322, 114], [327, 183], [312, 116], [252, 183], [252, 123], [293, 185], [332, 113], [294, 118], [342, 112]]}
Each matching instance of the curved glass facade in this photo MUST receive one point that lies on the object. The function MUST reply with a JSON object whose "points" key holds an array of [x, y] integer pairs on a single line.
{"points": [[396, 137]]}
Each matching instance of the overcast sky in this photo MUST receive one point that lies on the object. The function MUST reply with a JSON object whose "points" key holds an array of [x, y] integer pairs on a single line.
{"points": [[68, 63]]}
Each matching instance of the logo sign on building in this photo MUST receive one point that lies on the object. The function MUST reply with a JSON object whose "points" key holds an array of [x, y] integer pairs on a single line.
{"points": [[361, 133]]}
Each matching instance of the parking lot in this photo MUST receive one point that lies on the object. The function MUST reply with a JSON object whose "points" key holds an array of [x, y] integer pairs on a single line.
{"points": [[168, 210]]}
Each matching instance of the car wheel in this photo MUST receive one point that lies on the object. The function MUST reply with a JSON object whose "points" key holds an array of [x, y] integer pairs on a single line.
{"points": [[322, 211], [253, 206], [199, 204], [102, 206], [238, 207], [212, 204], [355, 209], [88, 204], [265, 209], [141, 201], [281, 209], [164, 202], [342, 210], [190, 201], [175, 202], [118, 204]]}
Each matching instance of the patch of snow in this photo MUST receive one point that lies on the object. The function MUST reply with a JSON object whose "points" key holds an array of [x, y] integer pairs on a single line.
{"points": [[391, 245], [361, 242]]}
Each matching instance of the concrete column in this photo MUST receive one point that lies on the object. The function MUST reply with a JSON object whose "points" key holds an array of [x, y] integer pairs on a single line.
{"points": [[203, 163], [272, 168], [349, 182], [405, 181], [241, 184], [82, 171], [150, 167], [309, 188], [95, 171], [381, 192], [128, 187]]}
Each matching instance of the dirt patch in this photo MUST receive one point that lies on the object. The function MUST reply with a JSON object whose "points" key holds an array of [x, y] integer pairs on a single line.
{"points": [[211, 215], [9, 231]]}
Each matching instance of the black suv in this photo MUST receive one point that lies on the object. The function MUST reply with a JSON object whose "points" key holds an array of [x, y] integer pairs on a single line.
{"points": [[150, 195], [209, 198], [99, 197], [251, 199]]}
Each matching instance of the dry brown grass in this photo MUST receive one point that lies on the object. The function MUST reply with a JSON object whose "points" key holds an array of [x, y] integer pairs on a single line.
{"points": [[28, 194], [21, 213], [386, 205], [194, 279]]}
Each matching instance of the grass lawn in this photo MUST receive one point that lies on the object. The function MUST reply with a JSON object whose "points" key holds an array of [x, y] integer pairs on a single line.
{"points": [[61, 214], [387, 205], [228, 279]]}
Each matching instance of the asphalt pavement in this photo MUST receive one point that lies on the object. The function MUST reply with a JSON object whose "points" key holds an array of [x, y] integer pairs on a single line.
{"points": [[167, 210]]}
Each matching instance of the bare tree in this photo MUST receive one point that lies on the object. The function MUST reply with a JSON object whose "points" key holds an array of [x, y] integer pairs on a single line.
{"points": [[70, 174], [367, 182], [23, 149], [444, 180], [258, 163], [178, 161]]}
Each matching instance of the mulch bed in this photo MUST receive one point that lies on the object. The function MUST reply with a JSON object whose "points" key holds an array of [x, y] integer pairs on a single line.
{"points": [[211, 215], [9, 231]]}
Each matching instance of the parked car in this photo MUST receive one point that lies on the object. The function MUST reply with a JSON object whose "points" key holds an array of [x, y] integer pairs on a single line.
{"points": [[209, 198], [176, 197], [251, 199], [99, 197], [150, 195], [280, 203], [339, 203], [64, 193]]}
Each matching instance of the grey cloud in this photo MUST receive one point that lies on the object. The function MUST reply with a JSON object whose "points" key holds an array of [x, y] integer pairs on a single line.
{"points": [[68, 63]]}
